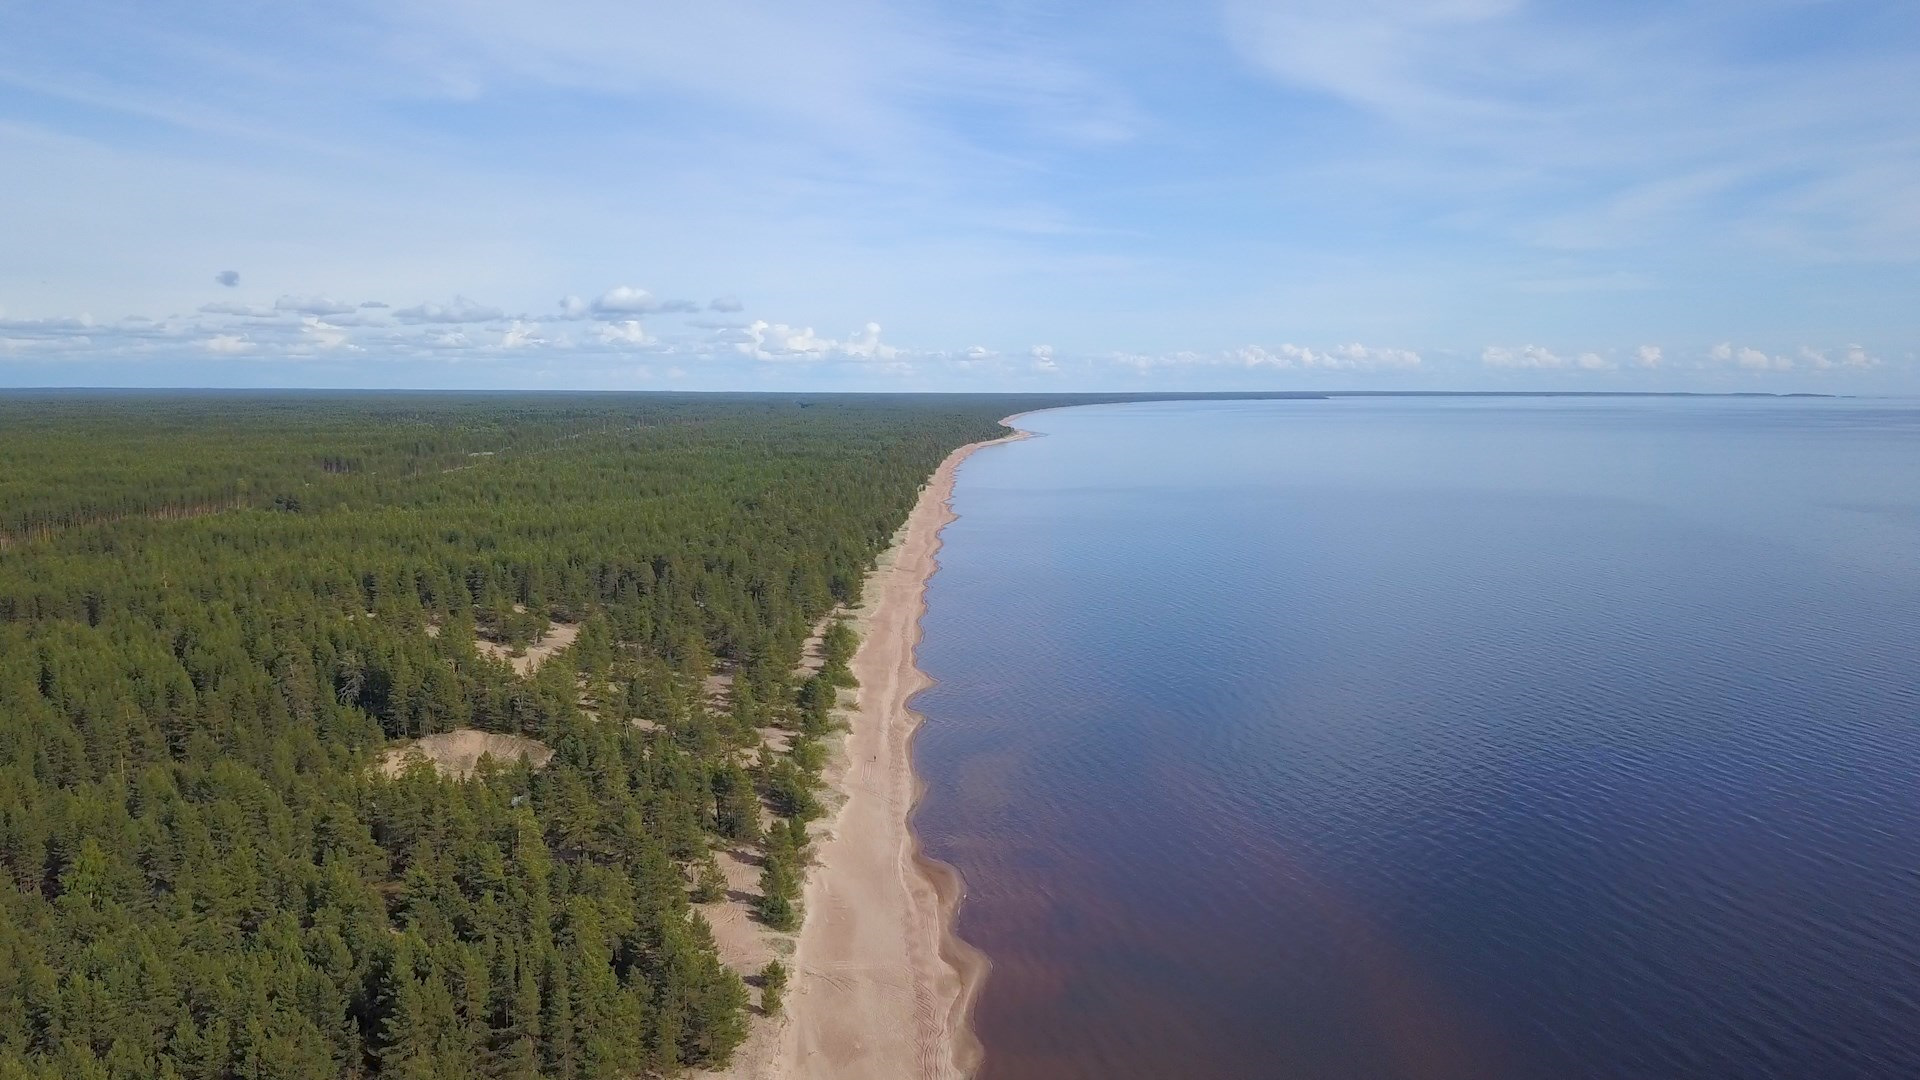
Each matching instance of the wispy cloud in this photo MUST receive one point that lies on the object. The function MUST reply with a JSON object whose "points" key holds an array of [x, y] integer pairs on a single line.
{"points": [[1772, 121], [1512, 191]]}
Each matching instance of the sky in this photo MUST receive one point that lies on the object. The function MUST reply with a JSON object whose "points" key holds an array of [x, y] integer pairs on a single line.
{"points": [[856, 195]]}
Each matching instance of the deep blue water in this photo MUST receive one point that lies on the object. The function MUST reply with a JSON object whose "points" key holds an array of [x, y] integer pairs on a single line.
{"points": [[1407, 738]]}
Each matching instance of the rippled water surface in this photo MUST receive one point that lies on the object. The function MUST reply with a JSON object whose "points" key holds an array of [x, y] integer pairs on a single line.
{"points": [[1397, 738]]}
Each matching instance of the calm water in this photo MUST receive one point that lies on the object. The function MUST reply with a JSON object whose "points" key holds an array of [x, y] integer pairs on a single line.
{"points": [[1437, 738]]}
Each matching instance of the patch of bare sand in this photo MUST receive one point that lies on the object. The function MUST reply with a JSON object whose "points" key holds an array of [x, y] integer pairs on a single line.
{"points": [[458, 753], [558, 636], [744, 943], [881, 988], [718, 689], [813, 654]]}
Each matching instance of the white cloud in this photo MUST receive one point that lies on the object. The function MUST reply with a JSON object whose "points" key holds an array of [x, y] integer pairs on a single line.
{"points": [[319, 306], [325, 336], [725, 304], [522, 335], [625, 332], [625, 299], [628, 300], [363, 316], [1350, 357], [573, 307], [229, 329], [60, 325], [1747, 358], [866, 345], [461, 310], [1858, 357], [1540, 357], [763, 340], [229, 307], [1852, 357]]}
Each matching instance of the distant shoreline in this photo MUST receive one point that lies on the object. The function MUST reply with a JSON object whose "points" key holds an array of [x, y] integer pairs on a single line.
{"points": [[882, 987]]}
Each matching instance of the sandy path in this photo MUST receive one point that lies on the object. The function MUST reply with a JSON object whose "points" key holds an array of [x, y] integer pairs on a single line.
{"points": [[881, 988]]}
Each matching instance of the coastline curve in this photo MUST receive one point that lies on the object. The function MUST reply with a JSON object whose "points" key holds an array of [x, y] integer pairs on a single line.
{"points": [[883, 987]]}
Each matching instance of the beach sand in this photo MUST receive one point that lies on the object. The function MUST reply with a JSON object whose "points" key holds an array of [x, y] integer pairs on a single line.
{"points": [[880, 987]]}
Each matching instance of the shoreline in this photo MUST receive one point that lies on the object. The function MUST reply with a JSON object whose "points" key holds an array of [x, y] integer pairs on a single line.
{"points": [[881, 986]]}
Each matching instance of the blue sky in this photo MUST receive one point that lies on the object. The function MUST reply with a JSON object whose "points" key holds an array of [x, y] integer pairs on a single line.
{"points": [[1688, 194]]}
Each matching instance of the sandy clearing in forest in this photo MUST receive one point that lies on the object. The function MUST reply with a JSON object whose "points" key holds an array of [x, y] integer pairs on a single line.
{"points": [[744, 943], [881, 988], [558, 636], [457, 753]]}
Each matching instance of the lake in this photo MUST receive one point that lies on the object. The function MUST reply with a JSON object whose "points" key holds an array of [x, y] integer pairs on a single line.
{"points": [[1436, 737]]}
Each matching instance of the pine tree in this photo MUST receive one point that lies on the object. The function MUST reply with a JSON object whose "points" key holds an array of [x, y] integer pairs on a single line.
{"points": [[773, 987]]}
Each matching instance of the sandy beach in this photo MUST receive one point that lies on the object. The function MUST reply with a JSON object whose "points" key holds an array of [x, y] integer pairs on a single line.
{"points": [[881, 987]]}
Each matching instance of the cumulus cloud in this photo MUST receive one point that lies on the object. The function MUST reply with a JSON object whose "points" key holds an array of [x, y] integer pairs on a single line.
{"points": [[1288, 357], [59, 325], [1539, 357], [625, 298], [325, 336], [1349, 357], [626, 332], [866, 345], [1851, 356], [521, 335], [1808, 358], [725, 304], [229, 307], [229, 278], [1747, 358], [296, 326], [461, 310], [317, 306], [628, 300], [763, 340]]}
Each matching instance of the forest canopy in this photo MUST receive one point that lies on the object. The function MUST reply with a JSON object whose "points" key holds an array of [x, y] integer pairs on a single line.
{"points": [[221, 613]]}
